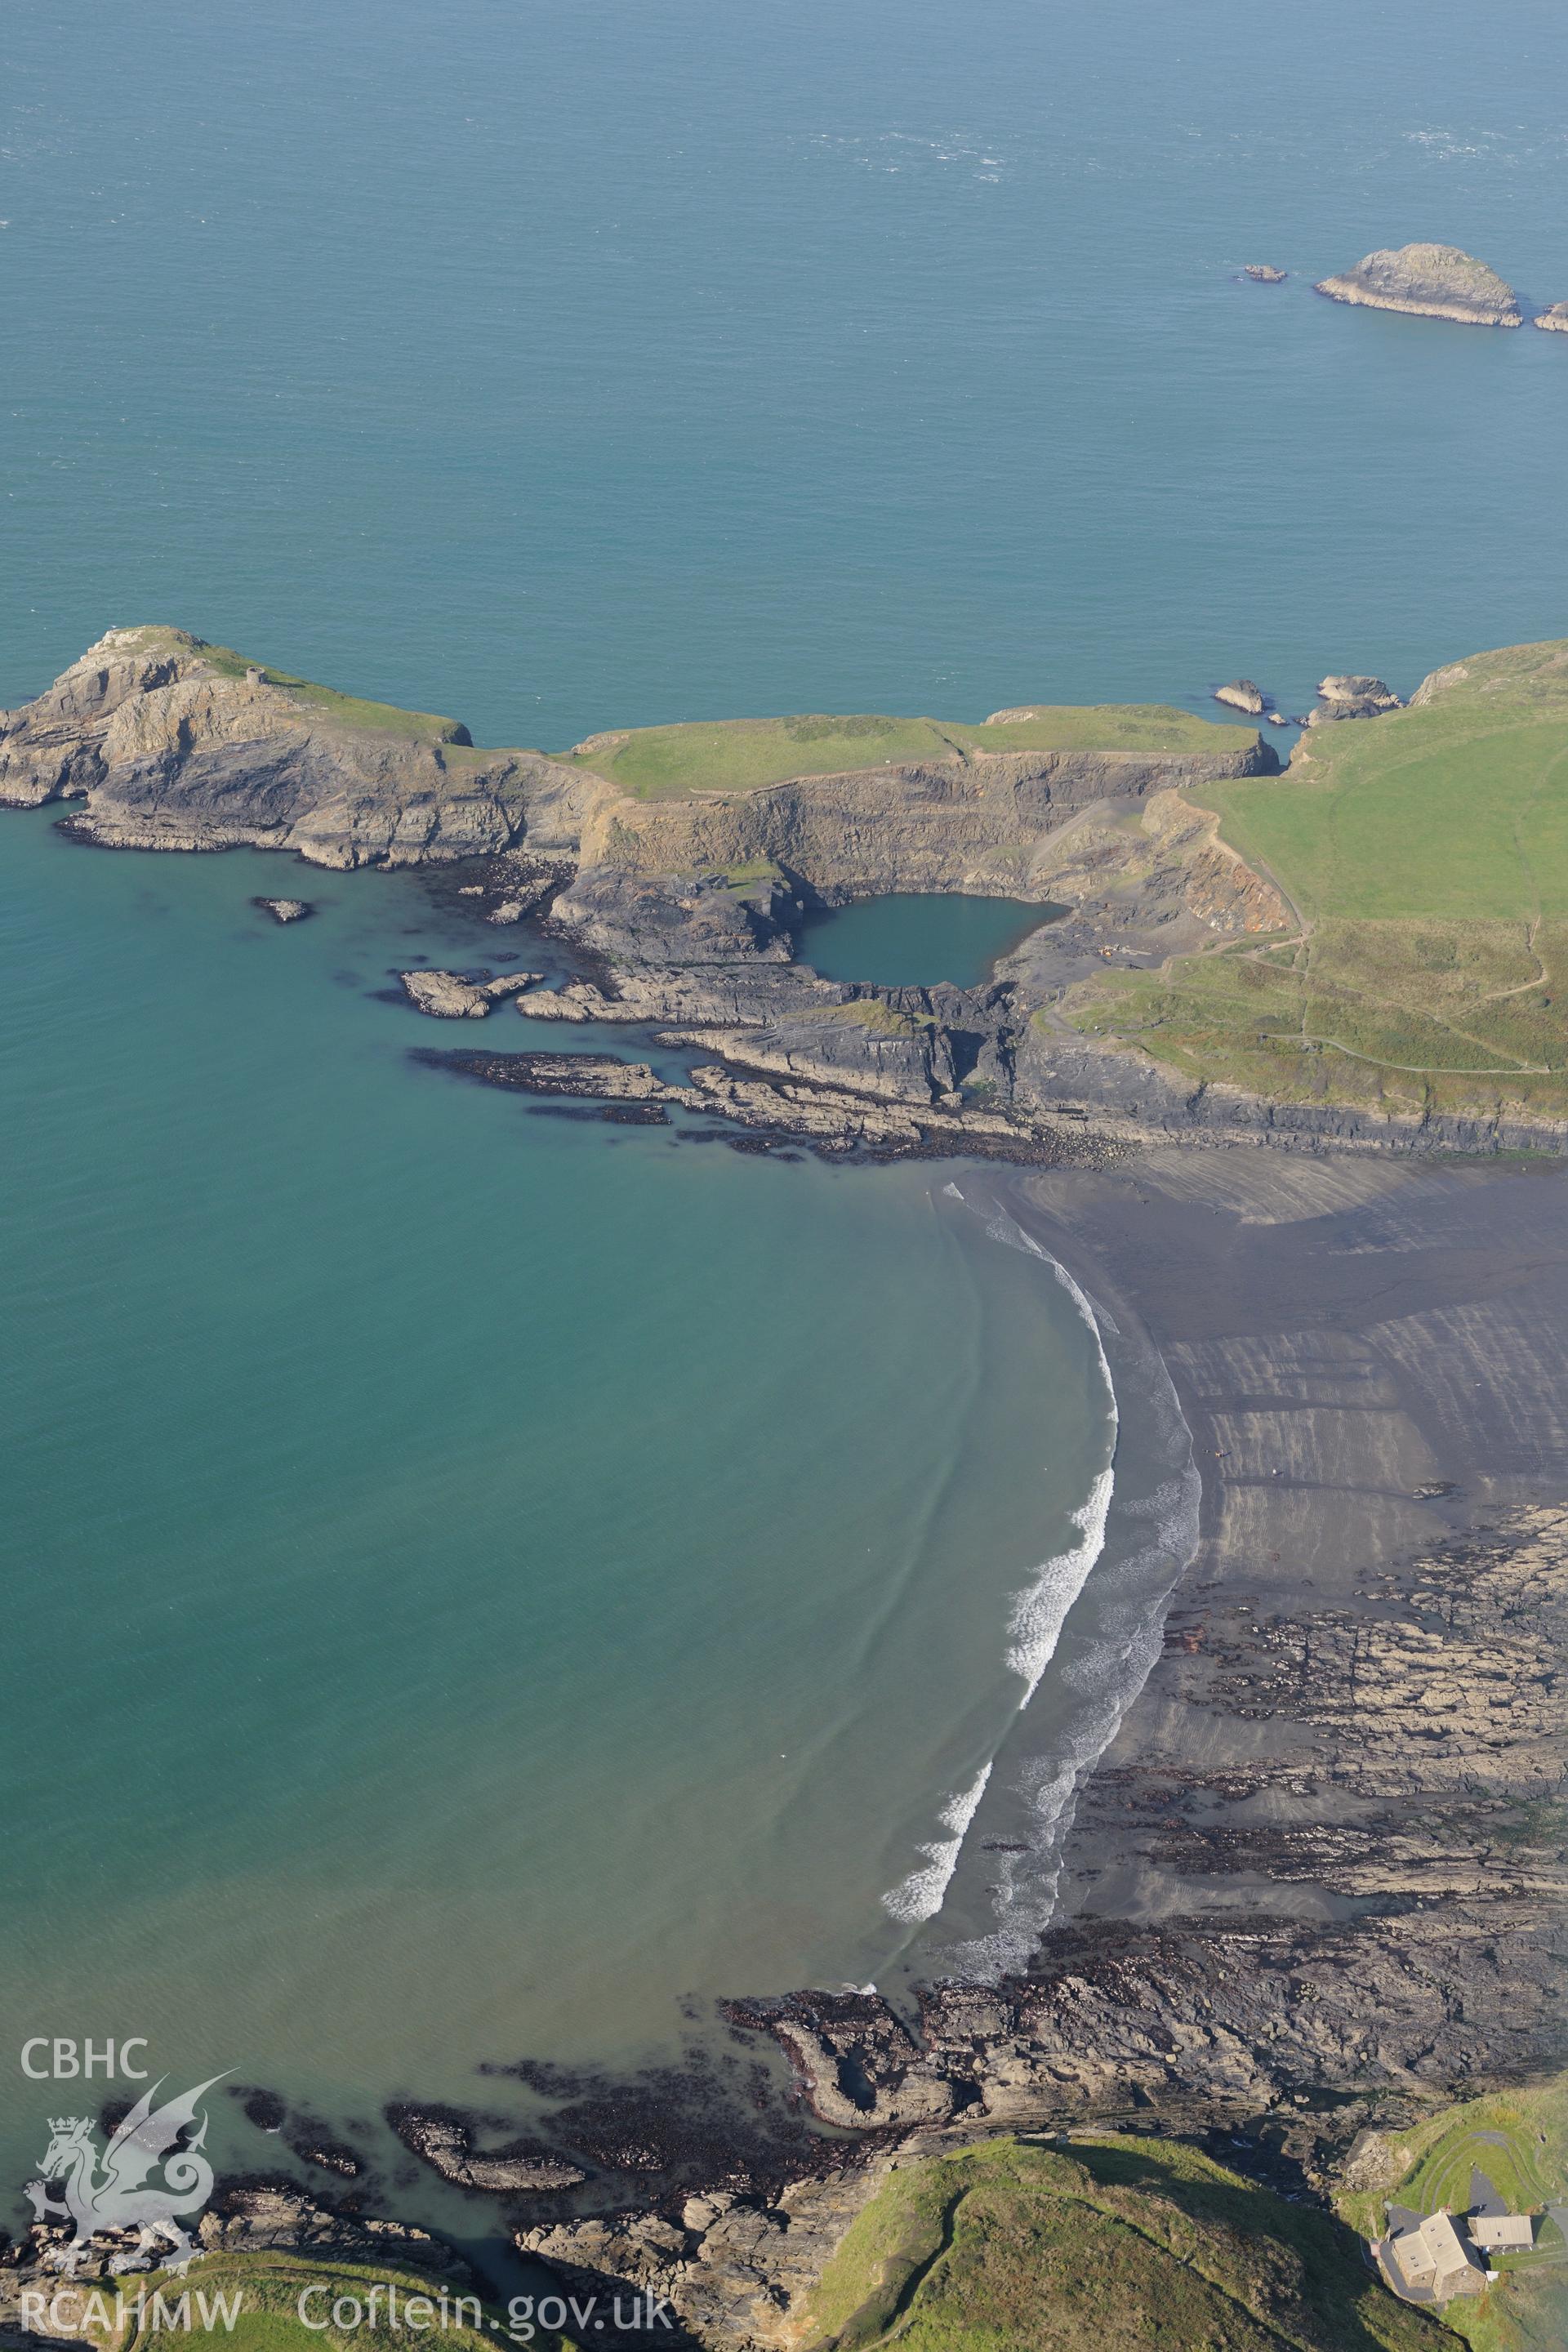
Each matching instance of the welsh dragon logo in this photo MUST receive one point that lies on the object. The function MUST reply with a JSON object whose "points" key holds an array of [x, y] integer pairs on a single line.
{"points": [[121, 2195]]}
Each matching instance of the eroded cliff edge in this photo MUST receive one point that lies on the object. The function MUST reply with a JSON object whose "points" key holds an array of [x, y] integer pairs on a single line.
{"points": [[677, 904]]}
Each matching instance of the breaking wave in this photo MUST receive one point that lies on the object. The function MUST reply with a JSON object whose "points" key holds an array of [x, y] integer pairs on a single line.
{"points": [[1039, 1612], [919, 1897]]}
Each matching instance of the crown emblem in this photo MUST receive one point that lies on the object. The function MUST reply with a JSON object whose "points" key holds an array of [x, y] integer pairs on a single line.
{"points": [[68, 2123]]}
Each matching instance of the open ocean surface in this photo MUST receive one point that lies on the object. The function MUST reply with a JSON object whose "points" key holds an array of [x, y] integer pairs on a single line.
{"points": [[473, 1578]]}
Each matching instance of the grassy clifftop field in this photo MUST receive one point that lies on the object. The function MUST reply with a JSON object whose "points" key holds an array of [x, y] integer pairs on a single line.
{"points": [[737, 755], [1114, 2244], [1427, 856]]}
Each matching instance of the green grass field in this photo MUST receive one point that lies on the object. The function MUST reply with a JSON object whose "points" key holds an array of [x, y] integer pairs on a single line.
{"points": [[742, 755], [1426, 855], [1114, 2245]]}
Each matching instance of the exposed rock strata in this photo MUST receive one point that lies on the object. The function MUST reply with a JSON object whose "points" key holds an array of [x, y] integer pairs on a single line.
{"points": [[834, 1116], [167, 749], [1353, 698], [979, 821], [285, 910], [735, 2270], [681, 912], [444, 2140], [243, 2217], [1264, 273], [1431, 281], [447, 996], [1553, 319], [1242, 695]]}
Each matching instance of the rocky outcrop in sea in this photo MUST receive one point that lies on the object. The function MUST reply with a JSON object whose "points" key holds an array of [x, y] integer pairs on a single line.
{"points": [[1430, 281], [1353, 698]]}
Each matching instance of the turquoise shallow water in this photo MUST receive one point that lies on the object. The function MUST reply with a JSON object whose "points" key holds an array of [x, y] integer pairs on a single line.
{"points": [[911, 940], [473, 1579]]}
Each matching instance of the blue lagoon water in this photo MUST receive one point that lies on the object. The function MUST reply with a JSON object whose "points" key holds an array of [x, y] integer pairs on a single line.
{"points": [[472, 1578], [912, 940]]}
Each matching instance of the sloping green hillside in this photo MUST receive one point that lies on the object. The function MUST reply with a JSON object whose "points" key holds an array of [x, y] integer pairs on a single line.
{"points": [[1112, 2246], [738, 755], [1427, 856], [1455, 808], [346, 709]]}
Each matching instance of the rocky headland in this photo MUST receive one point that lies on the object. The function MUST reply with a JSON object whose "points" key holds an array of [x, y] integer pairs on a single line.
{"points": [[677, 908], [1430, 281]]}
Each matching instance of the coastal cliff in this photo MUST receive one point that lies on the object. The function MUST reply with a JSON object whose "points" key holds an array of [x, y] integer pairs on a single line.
{"points": [[676, 867], [171, 744], [680, 903]]}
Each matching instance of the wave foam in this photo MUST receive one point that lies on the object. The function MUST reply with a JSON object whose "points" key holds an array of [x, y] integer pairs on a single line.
{"points": [[920, 1896], [1039, 1611]]}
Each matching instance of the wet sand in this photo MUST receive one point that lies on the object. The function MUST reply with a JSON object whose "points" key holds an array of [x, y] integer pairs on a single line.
{"points": [[1355, 1726]]}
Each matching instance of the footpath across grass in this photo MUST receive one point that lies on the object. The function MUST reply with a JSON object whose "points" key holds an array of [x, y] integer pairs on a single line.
{"points": [[1426, 854]]}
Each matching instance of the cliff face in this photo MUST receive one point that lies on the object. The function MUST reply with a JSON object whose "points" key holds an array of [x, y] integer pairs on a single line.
{"points": [[173, 744], [1431, 281], [167, 750], [982, 821]]}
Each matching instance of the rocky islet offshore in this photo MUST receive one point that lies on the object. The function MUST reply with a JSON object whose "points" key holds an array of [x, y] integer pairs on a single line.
{"points": [[1427, 281]]}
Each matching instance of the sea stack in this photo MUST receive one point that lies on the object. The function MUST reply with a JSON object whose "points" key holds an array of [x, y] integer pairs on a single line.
{"points": [[1431, 281], [1242, 695], [1554, 319], [1264, 273]]}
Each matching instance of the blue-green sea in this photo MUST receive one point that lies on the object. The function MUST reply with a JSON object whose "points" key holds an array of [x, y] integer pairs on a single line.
{"points": [[473, 1579]]}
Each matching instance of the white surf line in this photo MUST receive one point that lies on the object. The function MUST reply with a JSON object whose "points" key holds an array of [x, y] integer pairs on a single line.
{"points": [[920, 1896], [1039, 1612]]}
